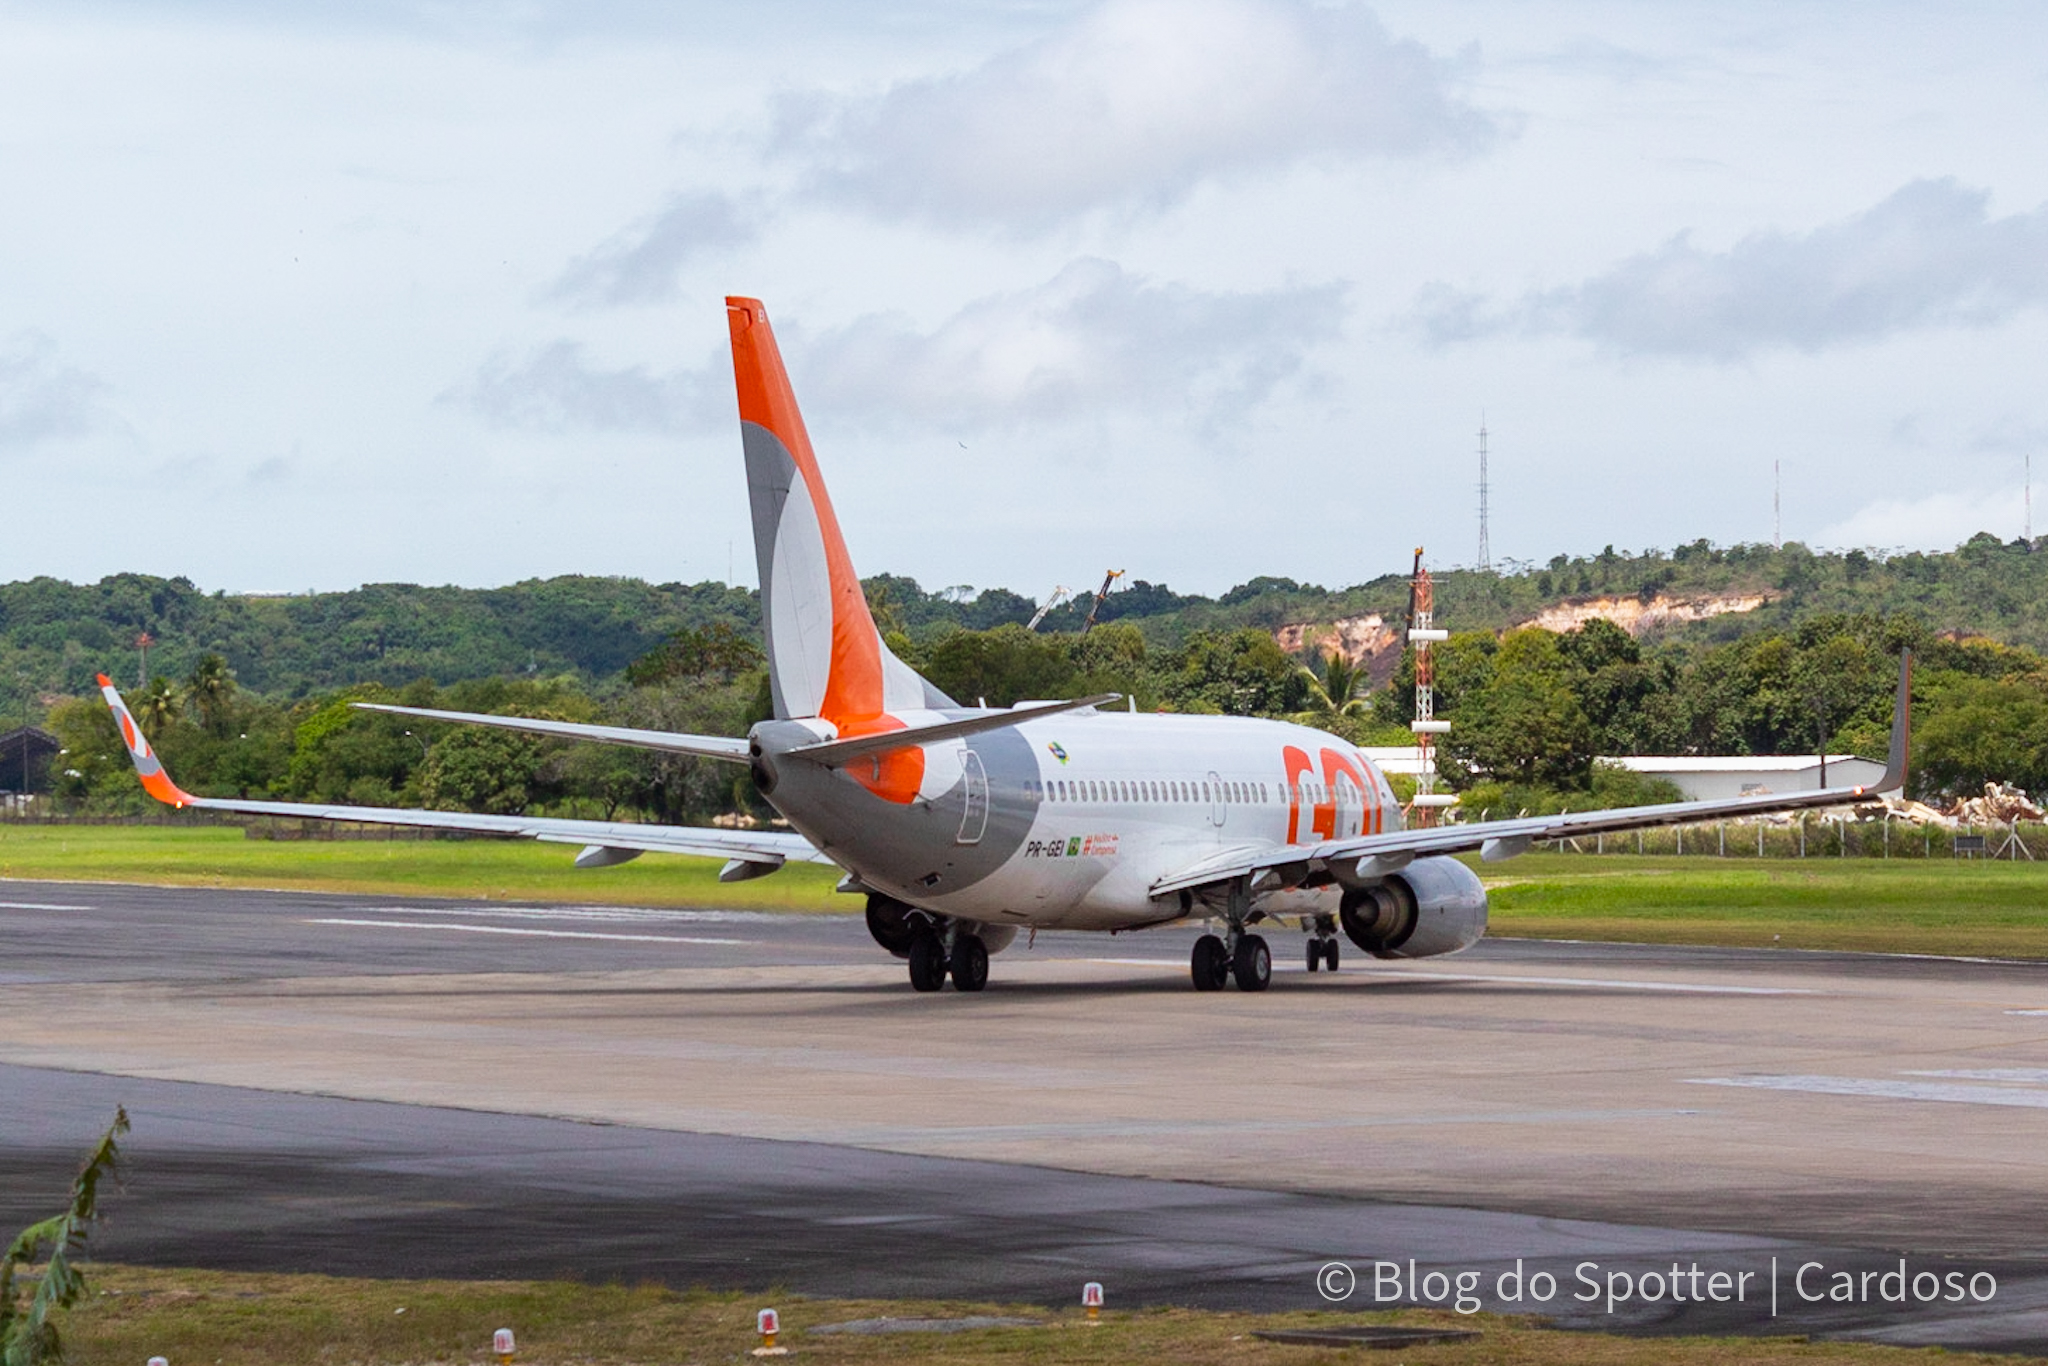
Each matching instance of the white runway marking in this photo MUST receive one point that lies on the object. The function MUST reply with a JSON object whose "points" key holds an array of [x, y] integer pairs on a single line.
{"points": [[38, 906], [541, 934], [1619, 984], [1615, 983], [2027, 1012], [2034, 1075], [634, 915], [1878, 1088]]}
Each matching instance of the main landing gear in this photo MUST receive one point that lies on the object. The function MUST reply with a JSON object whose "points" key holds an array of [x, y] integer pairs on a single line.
{"points": [[933, 959], [1215, 963], [1243, 956]]}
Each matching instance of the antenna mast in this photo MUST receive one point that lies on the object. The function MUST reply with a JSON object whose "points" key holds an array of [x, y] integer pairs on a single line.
{"points": [[1777, 513], [1485, 547]]}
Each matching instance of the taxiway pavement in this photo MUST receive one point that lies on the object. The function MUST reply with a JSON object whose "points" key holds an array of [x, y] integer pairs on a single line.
{"points": [[367, 1084]]}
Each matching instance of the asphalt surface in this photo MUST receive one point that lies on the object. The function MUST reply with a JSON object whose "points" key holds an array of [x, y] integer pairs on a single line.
{"points": [[269, 1177]]}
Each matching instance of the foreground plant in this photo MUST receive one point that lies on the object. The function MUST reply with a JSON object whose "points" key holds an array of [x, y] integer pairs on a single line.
{"points": [[27, 1335]]}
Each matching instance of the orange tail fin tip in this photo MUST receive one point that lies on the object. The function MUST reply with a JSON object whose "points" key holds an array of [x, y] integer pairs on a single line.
{"points": [[826, 657]]}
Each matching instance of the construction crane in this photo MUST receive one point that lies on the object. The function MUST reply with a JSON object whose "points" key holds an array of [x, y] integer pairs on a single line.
{"points": [[1107, 579], [1059, 595]]}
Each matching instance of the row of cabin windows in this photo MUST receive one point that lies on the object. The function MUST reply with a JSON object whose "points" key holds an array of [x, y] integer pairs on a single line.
{"points": [[1117, 790]]}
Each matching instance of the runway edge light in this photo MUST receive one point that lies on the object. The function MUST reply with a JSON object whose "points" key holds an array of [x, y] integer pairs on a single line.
{"points": [[503, 1344], [1091, 1299], [158, 1361], [769, 1323]]}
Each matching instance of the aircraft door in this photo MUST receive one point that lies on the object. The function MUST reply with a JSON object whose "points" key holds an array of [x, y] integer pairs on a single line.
{"points": [[1216, 800], [974, 779]]}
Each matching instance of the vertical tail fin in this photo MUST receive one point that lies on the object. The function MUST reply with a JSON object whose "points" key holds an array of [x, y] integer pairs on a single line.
{"points": [[825, 657]]}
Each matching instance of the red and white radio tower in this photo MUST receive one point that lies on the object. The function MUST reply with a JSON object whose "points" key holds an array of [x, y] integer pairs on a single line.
{"points": [[1423, 633]]}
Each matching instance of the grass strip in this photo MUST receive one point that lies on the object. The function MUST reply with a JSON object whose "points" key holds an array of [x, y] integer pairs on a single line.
{"points": [[480, 869], [239, 1319]]}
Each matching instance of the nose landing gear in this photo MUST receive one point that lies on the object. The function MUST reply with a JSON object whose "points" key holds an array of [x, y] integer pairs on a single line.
{"points": [[1322, 944]]}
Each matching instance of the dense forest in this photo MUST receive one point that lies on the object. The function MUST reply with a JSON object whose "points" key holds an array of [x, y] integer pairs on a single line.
{"points": [[248, 695]]}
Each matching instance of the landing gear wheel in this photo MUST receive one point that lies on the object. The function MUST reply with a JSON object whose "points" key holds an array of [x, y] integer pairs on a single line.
{"points": [[1315, 955], [1253, 963], [1210, 964], [927, 963], [970, 963], [1330, 953]]}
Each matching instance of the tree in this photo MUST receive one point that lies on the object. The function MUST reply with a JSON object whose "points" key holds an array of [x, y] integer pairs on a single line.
{"points": [[695, 652], [211, 689], [1981, 731], [158, 708], [1526, 725], [1242, 673], [28, 1335], [1336, 690], [473, 769]]}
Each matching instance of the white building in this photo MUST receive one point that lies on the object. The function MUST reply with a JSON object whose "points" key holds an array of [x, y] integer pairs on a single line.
{"points": [[1702, 779]]}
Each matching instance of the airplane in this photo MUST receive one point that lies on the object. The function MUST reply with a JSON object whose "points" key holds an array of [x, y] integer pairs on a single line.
{"points": [[963, 825]]}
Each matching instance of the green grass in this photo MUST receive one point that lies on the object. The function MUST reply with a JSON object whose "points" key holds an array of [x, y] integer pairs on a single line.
{"points": [[498, 870], [235, 1319], [1888, 906]]}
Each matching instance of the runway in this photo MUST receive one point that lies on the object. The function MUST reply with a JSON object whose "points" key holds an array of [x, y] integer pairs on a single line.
{"points": [[433, 1088]]}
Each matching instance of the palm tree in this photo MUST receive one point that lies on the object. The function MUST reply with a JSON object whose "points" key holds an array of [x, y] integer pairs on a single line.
{"points": [[158, 706], [211, 689], [1336, 691]]}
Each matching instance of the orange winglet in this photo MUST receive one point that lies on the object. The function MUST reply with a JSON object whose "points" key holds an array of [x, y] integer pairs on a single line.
{"points": [[148, 767]]}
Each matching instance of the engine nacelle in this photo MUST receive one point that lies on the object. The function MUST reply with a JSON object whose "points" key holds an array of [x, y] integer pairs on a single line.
{"points": [[894, 924], [1433, 906]]}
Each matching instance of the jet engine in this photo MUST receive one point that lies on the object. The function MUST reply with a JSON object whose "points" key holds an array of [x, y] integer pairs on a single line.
{"points": [[1434, 905], [895, 923]]}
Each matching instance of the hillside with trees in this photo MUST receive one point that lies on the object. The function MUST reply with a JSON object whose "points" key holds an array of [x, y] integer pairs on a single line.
{"points": [[248, 695]]}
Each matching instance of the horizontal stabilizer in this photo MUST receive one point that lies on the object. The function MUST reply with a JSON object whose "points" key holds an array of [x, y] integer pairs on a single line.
{"points": [[703, 746], [605, 842], [833, 753]]}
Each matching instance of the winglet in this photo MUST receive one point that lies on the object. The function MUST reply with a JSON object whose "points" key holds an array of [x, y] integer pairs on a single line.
{"points": [[148, 767], [1902, 728], [1894, 777]]}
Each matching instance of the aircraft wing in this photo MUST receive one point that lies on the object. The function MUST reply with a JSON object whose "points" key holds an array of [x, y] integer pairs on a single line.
{"points": [[756, 851], [703, 746], [1369, 856]]}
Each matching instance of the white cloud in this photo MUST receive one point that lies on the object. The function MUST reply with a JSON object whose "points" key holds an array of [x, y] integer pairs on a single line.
{"points": [[1927, 256], [1936, 521], [1135, 101], [641, 264], [42, 398], [1092, 340], [555, 388]]}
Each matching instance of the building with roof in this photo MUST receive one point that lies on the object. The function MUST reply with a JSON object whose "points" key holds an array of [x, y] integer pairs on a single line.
{"points": [[26, 754]]}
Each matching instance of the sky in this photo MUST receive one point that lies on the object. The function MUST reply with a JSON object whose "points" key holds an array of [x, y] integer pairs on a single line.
{"points": [[298, 296]]}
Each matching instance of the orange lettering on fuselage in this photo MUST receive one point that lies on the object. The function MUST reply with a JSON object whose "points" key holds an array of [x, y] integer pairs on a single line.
{"points": [[1334, 764], [1296, 762]]}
